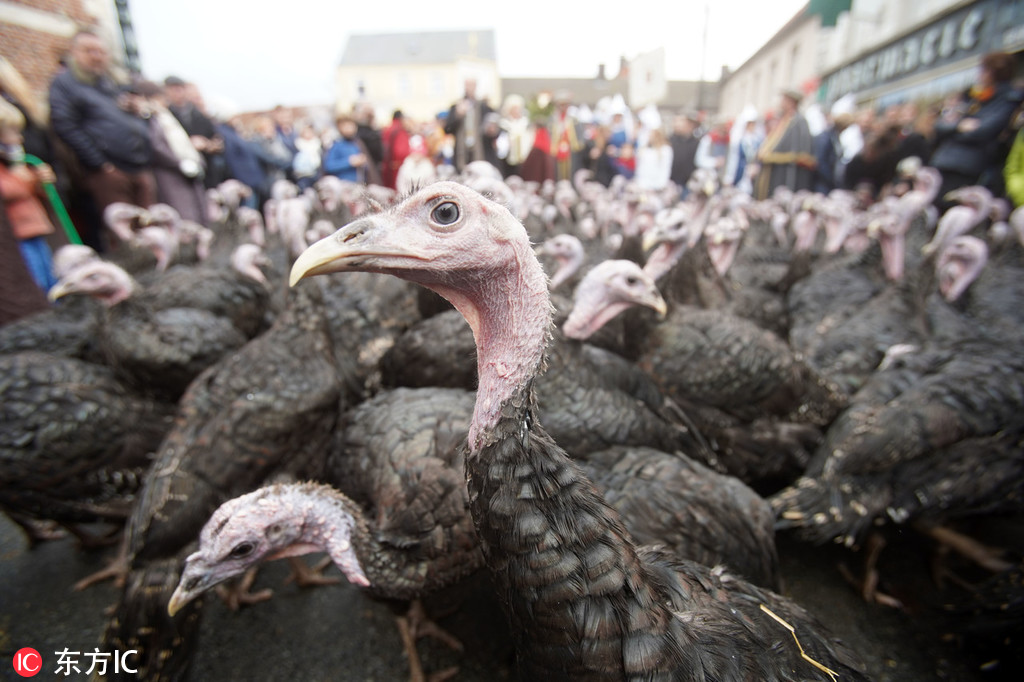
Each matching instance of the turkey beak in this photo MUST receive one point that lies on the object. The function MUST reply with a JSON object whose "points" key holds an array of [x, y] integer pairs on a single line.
{"points": [[650, 240], [193, 583], [59, 290], [657, 303], [327, 255]]}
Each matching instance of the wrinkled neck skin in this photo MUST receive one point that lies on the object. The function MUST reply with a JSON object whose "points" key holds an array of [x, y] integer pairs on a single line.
{"points": [[331, 523], [664, 258], [510, 313]]}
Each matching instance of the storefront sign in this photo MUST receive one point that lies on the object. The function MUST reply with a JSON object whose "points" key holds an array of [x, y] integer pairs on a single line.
{"points": [[969, 31]]}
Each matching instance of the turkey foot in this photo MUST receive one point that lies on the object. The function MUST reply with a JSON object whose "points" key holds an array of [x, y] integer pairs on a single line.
{"points": [[987, 557], [304, 576], [36, 531], [415, 624], [116, 570], [868, 584], [239, 594]]}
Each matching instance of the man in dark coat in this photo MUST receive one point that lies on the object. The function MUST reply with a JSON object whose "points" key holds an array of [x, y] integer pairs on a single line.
{"points": [[787, 153], [108, 139], [466, 123], [684, 148]]}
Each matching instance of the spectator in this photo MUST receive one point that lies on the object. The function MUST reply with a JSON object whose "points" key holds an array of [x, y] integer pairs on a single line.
{"points": [[746, 157], [684, 148], [518, 134], [368, 134], [539, 166], [107, 138], [491, 133], [272, 152], [21, 191], [396, 148], [177, 165], [566, 138], [600, 156], [417, 169], [243, 163], [787, 153], [624, 161], [875, 166], [308, 156], [179, 101], [347, 158], [917, 132], [654, 162], [828, 152], [713, 148], [969, 148], [284, 127], [465, 122], [36, 133], [618, 133], [1013, 172]]}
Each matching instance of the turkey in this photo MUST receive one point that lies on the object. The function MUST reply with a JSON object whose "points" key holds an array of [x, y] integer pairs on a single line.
{"points": [[584, 602], [265, 411], [160, 337], [74, 441], [397, 482]]}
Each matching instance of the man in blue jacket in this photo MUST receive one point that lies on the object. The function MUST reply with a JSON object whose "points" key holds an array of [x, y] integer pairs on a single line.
{"points": [[102, 127]]}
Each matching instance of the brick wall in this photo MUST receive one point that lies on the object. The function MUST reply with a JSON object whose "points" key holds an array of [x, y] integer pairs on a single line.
{"points": [[35, 53]]}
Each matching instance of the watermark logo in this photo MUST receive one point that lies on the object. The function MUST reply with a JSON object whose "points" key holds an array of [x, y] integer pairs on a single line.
{"points": [[27, 662]]}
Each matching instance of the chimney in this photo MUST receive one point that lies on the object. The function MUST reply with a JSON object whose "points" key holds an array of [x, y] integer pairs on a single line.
{"points": [[600, 73], [623, 67]]}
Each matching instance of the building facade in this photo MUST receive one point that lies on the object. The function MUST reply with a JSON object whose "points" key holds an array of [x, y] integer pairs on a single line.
{"points": [[420, 73], [913, 56], [788, 61]]}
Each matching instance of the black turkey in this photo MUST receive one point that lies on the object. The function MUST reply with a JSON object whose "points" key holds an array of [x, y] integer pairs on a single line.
{"points": [[583, 601]]}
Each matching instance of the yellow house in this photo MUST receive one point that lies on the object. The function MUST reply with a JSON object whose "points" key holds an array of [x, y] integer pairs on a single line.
{"points": [[420, 73]]}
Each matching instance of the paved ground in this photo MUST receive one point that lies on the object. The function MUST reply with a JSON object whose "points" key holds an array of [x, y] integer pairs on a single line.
{"points": [[336, 633]]}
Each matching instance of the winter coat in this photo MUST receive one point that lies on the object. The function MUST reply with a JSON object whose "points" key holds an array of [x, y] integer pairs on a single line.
{"points": [[1013, 172], [25, 212], [87, 118], [336, 160], [976, 152]]}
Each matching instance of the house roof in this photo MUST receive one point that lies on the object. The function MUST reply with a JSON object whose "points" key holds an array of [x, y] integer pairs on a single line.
{"points": [[441, 47]]}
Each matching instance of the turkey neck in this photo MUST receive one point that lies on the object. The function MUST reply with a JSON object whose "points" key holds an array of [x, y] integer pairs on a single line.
{"points": [[569, 577], [387, 568], [510, 312]]}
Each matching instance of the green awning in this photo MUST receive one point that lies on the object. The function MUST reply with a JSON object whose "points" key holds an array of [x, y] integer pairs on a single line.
{"points": [[828, 9]]}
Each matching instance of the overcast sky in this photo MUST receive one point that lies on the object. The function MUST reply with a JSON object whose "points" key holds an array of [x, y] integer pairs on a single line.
{"points": [[256, 57]]}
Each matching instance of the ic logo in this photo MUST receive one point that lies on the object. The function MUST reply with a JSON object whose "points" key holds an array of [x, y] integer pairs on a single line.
{"points": [[27, 662]]}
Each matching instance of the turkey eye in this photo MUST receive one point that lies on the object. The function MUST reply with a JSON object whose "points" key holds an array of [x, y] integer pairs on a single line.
{"points": [[242, 550], [445, 214]]}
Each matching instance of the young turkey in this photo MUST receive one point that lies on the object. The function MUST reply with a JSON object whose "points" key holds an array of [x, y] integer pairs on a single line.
{"points": [[584, 602]]}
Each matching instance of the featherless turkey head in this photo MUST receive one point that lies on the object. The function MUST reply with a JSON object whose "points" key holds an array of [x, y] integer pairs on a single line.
{"points": [[270, 523], [70, 256], [608, 289], [447, 237], [567, 250], [959, 264], [723, 238], [104, 281], [470, 250]]}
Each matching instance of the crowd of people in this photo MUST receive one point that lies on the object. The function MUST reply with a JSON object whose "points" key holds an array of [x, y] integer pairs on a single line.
{"points": [[100, 143]]}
